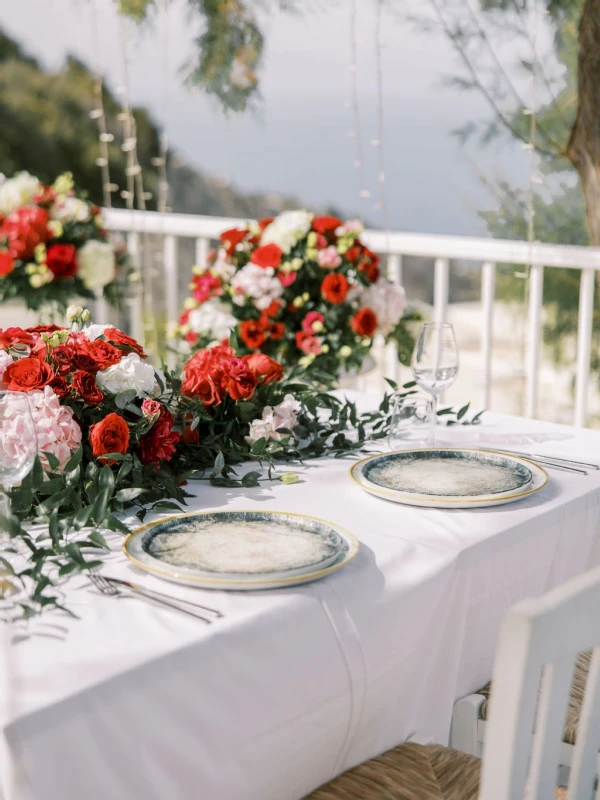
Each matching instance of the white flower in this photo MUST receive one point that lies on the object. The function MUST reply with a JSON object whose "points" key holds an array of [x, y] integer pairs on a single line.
{"points": [[130, 373], [213, 319], [257, 283], [74, 314], [354, 226], [5, 360], [94, 331], [287, 229], [71, 209], [223, 268], [18, 191], [97, 265], [284, 415], [387, 300]]}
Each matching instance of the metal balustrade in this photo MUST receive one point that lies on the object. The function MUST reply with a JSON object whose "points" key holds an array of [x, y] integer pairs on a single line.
{"points": [[483, 252]]}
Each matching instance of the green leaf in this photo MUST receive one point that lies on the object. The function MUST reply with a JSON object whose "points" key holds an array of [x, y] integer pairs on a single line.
{"points": [[114, 524], [75, 460], [123, 398], [81, 517], [166, 505], [106, 480], [219, 464], [99, 540], [251, 479], [53, 461], [99, 506], [125, 495], [463, 411], [259, 447]]}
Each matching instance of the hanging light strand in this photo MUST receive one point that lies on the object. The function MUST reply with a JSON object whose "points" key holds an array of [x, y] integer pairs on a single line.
{"points": [[355, 133], [378, 142], [104, 137], [161, 161]]}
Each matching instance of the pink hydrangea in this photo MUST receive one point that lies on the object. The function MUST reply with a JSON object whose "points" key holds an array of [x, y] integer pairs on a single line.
{"points": [[57, 429], [329, 258]]}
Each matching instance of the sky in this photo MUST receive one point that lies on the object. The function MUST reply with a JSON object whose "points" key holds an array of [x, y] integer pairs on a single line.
{"points": [[297, 142]]}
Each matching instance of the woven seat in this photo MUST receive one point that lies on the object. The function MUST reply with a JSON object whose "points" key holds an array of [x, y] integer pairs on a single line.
{"points": [[580, 673], [411, 772]]}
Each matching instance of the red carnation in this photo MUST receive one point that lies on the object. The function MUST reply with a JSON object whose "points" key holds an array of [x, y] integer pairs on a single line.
{"points": [[364, 322], [269, 255], [159, 444], [45, 329], [59, 386], [63, 357], [286, 278], [203, 375], [15, 336], [84, 384], [7, 263], [232, 238], [273, 309], [277, 330], [239, 380], [265, 222], [61, 261], [123, 342], [334, 288], [24, 229], [264, 367], [252, 333], [307, 343], [353, 253], [206, 286], [326, 225], [369, 264]]}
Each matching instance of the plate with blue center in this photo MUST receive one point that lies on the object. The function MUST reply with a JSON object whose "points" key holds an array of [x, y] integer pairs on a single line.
{"points": [[449, 478], [241, 550]]}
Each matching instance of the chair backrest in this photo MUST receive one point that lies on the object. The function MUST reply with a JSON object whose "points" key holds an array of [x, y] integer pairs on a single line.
{"points": [[538, 644]]}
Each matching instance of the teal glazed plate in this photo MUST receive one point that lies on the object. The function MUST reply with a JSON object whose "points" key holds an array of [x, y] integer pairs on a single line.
{"points": [[449, 477], [240, 550]]}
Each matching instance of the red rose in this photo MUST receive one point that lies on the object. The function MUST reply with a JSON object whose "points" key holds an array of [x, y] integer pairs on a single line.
{"points": [[27, 374], [252, 333], [334, 288], [96, 355], [24, 229], [61, 261], [264, 367], [265, 222], [84, 384], [45, 329], [110, 435], [159, 444], [123, 342], [364, 322], [370, 264], [151, 408], [353, 254], [232, 238], [277, 330], [191, 436], [59, 386], [307, 343], [239, 380], [269, 255], [14, 336], [63, 357], [326, 225], [7, 263], [202, 376]]}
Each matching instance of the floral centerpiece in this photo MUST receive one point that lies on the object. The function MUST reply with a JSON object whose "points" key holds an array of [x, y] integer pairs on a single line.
{"points": [[117, 435], [53, 246], [298, 288]]}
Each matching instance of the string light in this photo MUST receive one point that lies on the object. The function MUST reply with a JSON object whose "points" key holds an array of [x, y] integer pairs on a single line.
{"points": [[98, 114], [378, 142], [355, 132]]}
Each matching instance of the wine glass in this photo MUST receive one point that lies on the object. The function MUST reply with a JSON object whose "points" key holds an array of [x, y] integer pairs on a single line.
{"points": [[18, 444], [435, 363], [410, 424]]}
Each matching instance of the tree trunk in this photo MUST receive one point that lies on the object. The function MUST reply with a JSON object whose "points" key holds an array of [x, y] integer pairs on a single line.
{"points": [[583, 149]]}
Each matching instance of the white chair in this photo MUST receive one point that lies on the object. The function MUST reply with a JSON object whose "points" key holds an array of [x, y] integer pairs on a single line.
{"points": [[539, 643]]}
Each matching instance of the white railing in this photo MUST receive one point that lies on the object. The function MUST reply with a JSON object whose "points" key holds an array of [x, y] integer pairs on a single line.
{"points": [[485, 252]]}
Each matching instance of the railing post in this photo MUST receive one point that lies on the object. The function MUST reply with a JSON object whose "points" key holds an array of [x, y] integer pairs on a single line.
{"points": [[171, 293], [394, 268], [441, 282], [201, 251], [394, 274], [488, 290], [135, 302], [534, 326], [100, 308], [584, 343]]}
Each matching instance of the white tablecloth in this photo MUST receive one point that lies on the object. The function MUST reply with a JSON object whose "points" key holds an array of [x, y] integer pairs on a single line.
{"points": [[293, 686]]}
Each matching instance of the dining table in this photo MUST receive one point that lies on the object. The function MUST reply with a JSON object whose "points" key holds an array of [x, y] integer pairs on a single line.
{"points": [[290, 687]]}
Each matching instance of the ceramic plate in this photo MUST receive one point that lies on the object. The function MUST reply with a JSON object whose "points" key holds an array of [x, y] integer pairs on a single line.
{"points": [[449, 477], [240, 550]]}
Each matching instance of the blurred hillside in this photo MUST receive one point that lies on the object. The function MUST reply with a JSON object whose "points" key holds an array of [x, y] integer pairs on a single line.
{"points": [[46, 129]]}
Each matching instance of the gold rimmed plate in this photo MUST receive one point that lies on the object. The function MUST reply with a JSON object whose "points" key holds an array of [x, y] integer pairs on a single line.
{"points": [[241, 550], [441, 477]]}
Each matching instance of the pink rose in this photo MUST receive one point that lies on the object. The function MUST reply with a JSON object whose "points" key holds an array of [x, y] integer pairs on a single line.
{"points": [[150, 408], [329, 258]]}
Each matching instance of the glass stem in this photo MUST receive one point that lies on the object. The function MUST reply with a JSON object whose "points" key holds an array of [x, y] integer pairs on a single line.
{"points": [[433, 419], [4, 512]]}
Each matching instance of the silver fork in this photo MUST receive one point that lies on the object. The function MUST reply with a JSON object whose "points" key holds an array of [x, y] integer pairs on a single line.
{"points": [[112, 590]]}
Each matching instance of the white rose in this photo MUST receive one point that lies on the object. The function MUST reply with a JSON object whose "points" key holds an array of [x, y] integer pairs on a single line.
{"points": [[287, 229], [284, 415], [387, 300], [18, 191], [5, 360], [71, 209], [130, 373], [259, 284], [94, 331], [222, 267], [97, 265], [213, 319]]}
